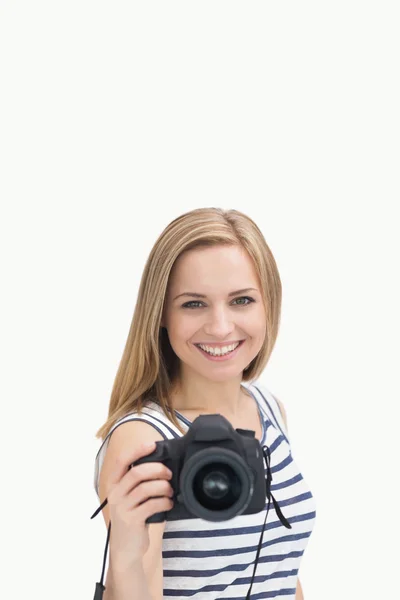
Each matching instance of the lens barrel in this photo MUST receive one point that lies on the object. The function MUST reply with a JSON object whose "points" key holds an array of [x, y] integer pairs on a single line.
{"points": [[216, 484]]}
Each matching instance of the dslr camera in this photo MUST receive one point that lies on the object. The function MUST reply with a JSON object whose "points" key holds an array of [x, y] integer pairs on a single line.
{"points": [[217, 471]]}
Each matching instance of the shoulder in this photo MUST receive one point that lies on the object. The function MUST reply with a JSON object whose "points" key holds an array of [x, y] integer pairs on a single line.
{"points": [[124, 437]]}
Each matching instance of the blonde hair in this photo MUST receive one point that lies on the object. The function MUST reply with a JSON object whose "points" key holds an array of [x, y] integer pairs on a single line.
{"points": [[148, 364]]}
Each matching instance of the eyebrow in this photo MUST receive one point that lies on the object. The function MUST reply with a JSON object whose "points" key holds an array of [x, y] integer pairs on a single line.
{"points": [[195, 295]]}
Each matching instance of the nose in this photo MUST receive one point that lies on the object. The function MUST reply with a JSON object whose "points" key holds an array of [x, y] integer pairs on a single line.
{"points": [[219, 324]]}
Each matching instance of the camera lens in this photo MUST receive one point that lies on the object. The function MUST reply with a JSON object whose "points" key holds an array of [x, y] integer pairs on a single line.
{"points": [[216, 486]]}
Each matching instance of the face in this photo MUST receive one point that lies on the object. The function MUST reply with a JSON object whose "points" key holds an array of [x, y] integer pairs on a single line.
{"points": [[218, 318]]}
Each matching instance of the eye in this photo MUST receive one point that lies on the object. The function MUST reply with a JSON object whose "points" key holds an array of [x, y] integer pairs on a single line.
{"points": [[250, 300], [189, 304], [192, 302]]}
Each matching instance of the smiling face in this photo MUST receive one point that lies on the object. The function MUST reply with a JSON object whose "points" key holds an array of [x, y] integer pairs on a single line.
{"points": [[219, 318]]}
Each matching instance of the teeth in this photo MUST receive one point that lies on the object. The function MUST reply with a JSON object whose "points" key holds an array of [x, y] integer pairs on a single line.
{"points": [[218, 351]]}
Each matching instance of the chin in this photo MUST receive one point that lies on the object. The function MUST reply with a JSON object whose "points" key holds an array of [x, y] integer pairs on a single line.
{"points": [[220, 377]]}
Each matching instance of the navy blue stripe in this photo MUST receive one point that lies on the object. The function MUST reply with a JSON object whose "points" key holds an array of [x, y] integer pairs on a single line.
{"points": [[242, 580], [234, 551], [237, 567], [284, 484], [289, 501], [276, 443], [296, 499], [260, 578], [266, 595], [259, 596], [267, 422], [206, 533], [239, 581], [284, 463], [247, 580]]}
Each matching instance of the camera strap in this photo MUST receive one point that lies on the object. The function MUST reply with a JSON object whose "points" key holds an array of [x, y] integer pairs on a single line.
{"points": [[283, 520], [99, 591]]}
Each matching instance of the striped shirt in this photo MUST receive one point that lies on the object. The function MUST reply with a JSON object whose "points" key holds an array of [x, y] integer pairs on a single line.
{"points": [[204, 560]]}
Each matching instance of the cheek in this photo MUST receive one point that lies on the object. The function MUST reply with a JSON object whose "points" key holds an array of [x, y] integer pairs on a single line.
{"points": [[181, 327], [258, 332], [254, 322]]}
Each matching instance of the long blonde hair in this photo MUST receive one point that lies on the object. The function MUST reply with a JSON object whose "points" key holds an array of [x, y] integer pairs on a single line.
{"points": [[148, 364]]}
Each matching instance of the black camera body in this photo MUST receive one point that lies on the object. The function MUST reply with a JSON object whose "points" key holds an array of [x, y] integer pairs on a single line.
{"points": [[218, 471]]}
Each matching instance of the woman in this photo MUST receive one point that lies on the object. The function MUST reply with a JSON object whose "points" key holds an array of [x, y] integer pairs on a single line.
{"points": [[205, 324]]}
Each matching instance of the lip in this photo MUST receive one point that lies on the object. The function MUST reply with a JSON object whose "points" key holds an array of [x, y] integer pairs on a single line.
{"points": [[218, 344], [225, 357]]}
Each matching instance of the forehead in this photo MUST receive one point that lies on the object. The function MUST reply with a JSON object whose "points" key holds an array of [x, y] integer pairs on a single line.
{"points": [[213, 268]]}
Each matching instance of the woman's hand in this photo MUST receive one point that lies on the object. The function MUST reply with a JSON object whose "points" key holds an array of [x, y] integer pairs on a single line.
{"points": [[135, 495]]}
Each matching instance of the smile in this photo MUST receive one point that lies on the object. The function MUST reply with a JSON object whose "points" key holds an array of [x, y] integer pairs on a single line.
{"points": [[221, 353]]}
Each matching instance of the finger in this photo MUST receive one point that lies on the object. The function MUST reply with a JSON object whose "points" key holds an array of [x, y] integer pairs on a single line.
{"points": [[153, 506], [146, 490], [144, 472]]}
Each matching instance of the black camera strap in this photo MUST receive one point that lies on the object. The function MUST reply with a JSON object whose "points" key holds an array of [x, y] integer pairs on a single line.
{"points": [[98, 594], [100, 587], [283, 520]]}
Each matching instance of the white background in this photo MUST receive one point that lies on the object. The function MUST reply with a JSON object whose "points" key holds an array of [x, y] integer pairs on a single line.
{"points": [[116, 118]]}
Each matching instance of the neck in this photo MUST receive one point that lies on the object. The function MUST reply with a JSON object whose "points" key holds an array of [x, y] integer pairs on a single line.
{"points": [[194, 393]]}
